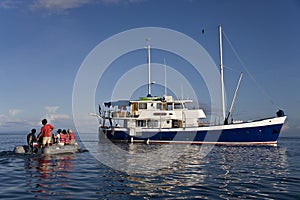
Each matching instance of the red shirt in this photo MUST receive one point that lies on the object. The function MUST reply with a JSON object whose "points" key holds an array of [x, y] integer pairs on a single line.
{"points": [[46, 130]]}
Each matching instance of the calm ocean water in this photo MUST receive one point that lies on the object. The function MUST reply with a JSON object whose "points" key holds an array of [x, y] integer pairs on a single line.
{"points": [[225, 173]]}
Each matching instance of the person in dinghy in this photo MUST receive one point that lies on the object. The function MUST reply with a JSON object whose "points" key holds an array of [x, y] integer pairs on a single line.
{"points": [[31, 139], [45, 133], [71, 137]]}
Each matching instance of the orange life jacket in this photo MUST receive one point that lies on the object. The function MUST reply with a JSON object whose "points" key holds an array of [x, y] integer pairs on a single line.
{"points": [[62, 138], [67, 139], [72, 136]]}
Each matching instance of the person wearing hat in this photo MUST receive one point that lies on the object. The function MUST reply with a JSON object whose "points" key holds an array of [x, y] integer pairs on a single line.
{"points": [[46, 132]]}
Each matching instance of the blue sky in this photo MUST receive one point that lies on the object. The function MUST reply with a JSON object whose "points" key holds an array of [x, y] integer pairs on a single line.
{"points": [[44, 42]]}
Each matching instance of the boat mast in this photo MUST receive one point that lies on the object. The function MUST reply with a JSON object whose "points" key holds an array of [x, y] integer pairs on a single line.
{"points": [[222, 73], [149, 78], [234, 99], [165, 77]]}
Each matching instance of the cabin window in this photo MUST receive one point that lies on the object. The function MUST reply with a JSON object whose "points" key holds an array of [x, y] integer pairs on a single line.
{"points": [[141, 123], [178, 106], [170, 106], [176, 123], [142, 105], [158, 106], [152, 123]]}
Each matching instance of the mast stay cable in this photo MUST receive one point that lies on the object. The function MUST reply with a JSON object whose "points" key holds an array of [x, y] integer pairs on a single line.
{"points": [[248, 72]]}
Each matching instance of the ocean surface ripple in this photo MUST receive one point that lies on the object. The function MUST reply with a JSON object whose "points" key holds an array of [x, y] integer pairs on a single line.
{"points": [[227, 172]]}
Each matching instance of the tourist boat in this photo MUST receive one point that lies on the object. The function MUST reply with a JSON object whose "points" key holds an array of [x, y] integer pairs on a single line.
{"points": [[48, 150], [165, 120]]}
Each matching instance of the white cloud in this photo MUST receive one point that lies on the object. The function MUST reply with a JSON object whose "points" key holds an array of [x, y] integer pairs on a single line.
{"points": [[12, 122], [87, 124], [58, 5], [55, 117], [52, 114], [14, 112], [63, 121], [3, 119], [51, 109], [10, 4]]}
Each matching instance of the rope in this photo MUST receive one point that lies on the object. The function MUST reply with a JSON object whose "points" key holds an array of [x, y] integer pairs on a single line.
{"points": [[247, 71], [233, 70]]}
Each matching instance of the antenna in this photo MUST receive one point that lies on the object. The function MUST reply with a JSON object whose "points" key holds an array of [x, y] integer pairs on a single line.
{"points": [[181, 88], [165, 77], [149, 78]]}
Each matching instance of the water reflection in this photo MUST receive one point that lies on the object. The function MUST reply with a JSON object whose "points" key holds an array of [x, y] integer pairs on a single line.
{"points": [[48, 174], [141, 158], [226, 173], [173, 180]]}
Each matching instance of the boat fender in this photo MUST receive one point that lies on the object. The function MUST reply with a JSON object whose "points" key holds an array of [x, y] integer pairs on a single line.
{"points": [[148, 140]]}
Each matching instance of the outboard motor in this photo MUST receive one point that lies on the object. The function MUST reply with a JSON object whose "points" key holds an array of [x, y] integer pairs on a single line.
{"points": [[280, 113], [20, 149], [24, 149]]}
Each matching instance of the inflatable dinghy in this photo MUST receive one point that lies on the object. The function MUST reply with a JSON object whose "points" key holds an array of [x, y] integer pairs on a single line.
{"points": [[49, 150]]}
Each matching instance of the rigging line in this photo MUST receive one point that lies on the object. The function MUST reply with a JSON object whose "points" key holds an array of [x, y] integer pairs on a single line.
{"points": [[233, 70], [251, 76]]}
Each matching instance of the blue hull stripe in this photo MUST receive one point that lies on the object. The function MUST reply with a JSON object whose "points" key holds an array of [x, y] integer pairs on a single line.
{"points": [[252, 135]]}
